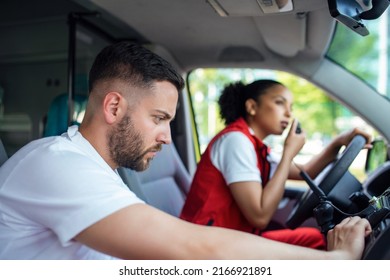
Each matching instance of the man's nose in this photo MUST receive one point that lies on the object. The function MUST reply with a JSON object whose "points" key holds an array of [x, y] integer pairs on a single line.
{"points": [[165, 137]]}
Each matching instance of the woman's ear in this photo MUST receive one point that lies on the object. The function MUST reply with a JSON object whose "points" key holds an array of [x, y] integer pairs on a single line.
{"points": [[250, 106], [113, 107]]}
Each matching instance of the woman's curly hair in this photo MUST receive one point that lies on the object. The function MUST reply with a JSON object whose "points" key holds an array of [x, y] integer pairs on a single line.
{"points": [[233, 98]]}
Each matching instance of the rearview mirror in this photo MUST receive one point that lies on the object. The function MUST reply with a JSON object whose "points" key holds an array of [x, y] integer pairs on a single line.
{"points": [[377, 155], [352, 12]]}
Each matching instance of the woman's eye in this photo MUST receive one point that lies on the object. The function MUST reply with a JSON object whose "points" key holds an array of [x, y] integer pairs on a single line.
{"points": [[279, 102]]}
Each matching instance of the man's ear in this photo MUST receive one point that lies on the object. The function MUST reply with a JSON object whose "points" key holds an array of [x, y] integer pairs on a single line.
{"points": [[113, 107]]}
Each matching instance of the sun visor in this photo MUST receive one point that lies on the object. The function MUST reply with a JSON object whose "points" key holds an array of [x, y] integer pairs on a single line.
{"points": [[234, 8], [276, 34]]}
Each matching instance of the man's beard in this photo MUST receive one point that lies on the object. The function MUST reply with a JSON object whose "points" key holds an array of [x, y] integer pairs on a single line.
{"points": [[126, 146]]}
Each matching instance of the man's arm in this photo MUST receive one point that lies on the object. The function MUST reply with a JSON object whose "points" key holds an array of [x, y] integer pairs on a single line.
{"points": [[142, 232]]}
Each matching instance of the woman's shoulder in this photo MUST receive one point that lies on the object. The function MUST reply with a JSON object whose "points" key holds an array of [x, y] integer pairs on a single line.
{"points": [[234, 138]]}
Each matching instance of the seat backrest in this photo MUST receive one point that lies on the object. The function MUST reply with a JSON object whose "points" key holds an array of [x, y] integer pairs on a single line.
{"points": [[164, 185], [57, 116]]}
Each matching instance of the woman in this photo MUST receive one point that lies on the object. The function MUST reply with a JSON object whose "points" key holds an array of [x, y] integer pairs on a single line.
{"points": [[239, 182]]}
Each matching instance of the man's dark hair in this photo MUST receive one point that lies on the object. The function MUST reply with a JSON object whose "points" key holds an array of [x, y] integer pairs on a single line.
{"points": [[134, 64]]}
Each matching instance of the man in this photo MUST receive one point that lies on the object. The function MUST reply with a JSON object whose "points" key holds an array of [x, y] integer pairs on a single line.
{"points": [[61, 197]]}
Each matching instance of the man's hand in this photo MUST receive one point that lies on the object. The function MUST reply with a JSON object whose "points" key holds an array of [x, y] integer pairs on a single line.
{"points": [[347, 238]]}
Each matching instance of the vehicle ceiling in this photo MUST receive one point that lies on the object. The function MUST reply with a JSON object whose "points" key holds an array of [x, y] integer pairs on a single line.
{"points": [[195, 34]]}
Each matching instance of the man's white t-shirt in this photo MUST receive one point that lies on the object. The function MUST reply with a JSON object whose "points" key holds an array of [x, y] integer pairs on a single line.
{"points": [[238, 164], [51, 190]]}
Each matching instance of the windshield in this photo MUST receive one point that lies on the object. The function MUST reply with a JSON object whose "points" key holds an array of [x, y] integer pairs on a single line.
{"points": [[365, 56]]}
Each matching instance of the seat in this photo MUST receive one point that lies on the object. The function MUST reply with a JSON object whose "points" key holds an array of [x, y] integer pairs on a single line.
{"points": [[164, 185], [57, 116]]}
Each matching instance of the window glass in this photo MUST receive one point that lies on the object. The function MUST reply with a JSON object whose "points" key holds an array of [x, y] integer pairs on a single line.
{"points": [[321, 117], [365, 56]]}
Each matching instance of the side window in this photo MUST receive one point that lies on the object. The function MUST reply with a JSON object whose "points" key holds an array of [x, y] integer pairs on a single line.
{"points": [[321, 117]]}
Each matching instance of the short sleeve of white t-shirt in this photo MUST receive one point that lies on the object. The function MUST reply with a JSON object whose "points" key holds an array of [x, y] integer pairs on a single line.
{"points": [[234, 156]]}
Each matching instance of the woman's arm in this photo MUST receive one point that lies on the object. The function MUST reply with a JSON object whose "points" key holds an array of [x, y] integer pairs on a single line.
{"points": [[329, 153], [259, 204]]}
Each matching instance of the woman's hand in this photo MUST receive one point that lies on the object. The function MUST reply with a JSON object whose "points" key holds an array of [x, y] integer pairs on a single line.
{"points": [[346, 137], [294, 141]]}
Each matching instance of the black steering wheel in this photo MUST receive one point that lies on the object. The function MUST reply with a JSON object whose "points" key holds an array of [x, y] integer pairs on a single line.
{"points": [[303, 209]]}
